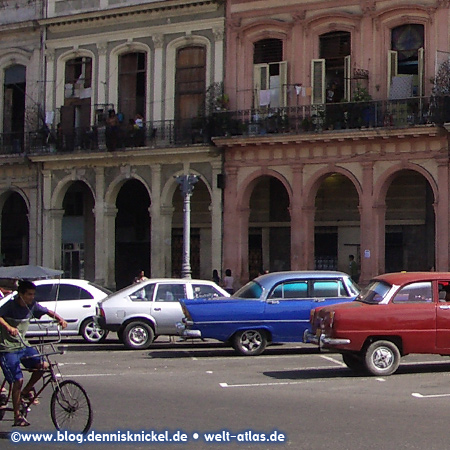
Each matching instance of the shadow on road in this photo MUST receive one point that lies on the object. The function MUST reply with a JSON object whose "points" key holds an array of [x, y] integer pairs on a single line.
{"points": [[344, 372]]}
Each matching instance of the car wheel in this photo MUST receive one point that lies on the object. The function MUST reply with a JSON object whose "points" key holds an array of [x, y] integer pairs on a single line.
{"points": [[250, 342], [138, 335], [382, 358], [91, 331], [354, 362]]}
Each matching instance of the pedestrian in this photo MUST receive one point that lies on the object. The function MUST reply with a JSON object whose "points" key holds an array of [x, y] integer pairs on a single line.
{"points": [[353, 269], [140, 277], [215, 276], [112, 130], [228, 282]]}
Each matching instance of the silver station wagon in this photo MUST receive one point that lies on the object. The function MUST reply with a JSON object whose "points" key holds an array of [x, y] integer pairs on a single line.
{"points": [[145, 310]]}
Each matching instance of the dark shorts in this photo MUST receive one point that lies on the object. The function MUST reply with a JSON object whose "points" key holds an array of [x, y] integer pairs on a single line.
{"points": [[10, 362]]}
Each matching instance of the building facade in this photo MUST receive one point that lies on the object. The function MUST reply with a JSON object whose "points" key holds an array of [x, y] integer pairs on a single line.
{"points": [[121, 87], [339, 145]]}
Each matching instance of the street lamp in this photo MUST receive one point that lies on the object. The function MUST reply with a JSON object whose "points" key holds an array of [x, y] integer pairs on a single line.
{"points": [[186, 183]]}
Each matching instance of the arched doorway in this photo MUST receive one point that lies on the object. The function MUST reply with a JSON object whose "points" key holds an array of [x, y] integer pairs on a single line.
{"points": [[78, 232], [201, 239], [410, 223], [337, 223], [269, 232], [15, 231], [132, 232]]}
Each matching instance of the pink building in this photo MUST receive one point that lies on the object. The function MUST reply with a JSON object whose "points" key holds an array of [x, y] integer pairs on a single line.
{"points": [[338, 142]]}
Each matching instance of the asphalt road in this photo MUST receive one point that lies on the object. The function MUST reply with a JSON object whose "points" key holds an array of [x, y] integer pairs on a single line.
{"points": [[191, 389]]}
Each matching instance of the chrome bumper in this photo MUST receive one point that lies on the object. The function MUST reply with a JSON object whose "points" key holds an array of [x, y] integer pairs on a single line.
{"points": [[185, 332], [310, 338]]}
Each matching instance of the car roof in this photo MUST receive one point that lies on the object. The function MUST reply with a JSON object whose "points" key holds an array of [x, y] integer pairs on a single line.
{"points": [[271, 278], [400, 278]]}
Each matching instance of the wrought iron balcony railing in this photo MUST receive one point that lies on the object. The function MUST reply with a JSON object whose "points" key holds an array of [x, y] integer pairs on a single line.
{"points": [[330, 117]]}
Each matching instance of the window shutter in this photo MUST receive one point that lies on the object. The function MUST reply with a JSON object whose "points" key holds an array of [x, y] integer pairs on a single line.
{"points": [[283, 84], [392, 67], [260, 81], [347, 78], [318, 81], [420, 92]]}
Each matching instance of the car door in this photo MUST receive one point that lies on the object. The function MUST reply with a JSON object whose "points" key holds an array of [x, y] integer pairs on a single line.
{"points": [[166, 307], [326, 292], [71, 302], [443, 316], [287, 310], [46, 296]]}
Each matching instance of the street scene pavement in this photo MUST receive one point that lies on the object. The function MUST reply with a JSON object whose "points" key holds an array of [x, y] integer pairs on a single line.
{"points": [[292, 393]]}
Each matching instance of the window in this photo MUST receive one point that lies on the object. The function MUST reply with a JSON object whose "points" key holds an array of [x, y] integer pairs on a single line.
{"points": [[205, 291], [333, 69], [291, 289], [269, 74], [132, 85], [328, 288], [170, 293], [70, 292], [45, 293], [415, 293], [190, 82], [144, 294], [406, 61], [251, 290]]}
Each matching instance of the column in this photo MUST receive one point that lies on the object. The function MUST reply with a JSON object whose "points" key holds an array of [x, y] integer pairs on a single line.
{"points": [[49, 85], [218, 34], [156, 229], [441, 208], [367, 232], [295, 208], [100, 242], [165, 269], [379, 239], [216, 218], [158, 88], [110, 214], [102, 83]]}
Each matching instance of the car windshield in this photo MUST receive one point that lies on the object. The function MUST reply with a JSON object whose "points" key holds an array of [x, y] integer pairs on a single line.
{"points": [[374, 293], [251, 290]]}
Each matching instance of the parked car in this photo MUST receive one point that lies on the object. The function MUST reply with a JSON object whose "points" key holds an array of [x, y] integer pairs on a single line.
{"points": [[75, 301], [145, 310], [395, 315], [272, 308]]}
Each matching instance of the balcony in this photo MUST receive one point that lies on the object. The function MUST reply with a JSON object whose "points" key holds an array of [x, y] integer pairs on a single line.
{"points": [[308, 119]]}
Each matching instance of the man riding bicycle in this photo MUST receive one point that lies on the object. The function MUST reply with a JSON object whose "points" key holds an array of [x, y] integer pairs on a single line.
{"points": [[15, 316]]}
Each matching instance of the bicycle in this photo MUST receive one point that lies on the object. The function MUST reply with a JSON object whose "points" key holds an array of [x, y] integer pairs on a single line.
{"points": [[70, 407]]}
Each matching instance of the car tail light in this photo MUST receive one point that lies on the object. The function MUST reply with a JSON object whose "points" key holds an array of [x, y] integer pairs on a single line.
{"points": [[185, 312], [100, 312], [331, 320]]}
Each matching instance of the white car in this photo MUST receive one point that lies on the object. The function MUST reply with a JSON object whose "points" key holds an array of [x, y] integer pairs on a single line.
{"points": [[142, 311], [75, 301]]}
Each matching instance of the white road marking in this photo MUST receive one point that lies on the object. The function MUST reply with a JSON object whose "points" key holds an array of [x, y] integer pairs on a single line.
{"points": [[418, 395], [281, 383], [335, 361]]}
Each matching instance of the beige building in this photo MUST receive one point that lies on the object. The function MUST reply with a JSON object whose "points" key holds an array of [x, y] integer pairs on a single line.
{"points": [[97, 189]]}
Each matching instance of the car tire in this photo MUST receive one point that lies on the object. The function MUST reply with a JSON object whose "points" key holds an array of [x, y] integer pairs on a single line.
{"points": [[382, 358], [250, 342], [91, 331], [354, 362], [138, 335]]}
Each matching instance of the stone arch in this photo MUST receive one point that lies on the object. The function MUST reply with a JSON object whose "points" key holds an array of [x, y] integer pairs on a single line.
{"points": [[312, 186], [382, 185], [247, 185], [14, 189], [170, 67], [115, 186], [61, 188]]}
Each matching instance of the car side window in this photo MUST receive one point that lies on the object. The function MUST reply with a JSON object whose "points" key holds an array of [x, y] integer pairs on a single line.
{"points": [[170, 292], [328, 288], [205, 291], [45, 293], [144, 294], [291, 289], [415, 293], [70, 292]]}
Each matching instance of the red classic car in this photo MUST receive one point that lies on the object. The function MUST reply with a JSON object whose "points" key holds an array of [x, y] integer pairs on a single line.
{"points": [[395, 315]]}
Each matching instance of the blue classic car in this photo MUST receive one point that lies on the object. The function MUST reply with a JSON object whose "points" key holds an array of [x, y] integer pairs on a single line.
{"points": [[272, 308]]}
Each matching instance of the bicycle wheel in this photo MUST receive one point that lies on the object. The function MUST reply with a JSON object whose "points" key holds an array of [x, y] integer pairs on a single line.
{"points": [[70, 407]]}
